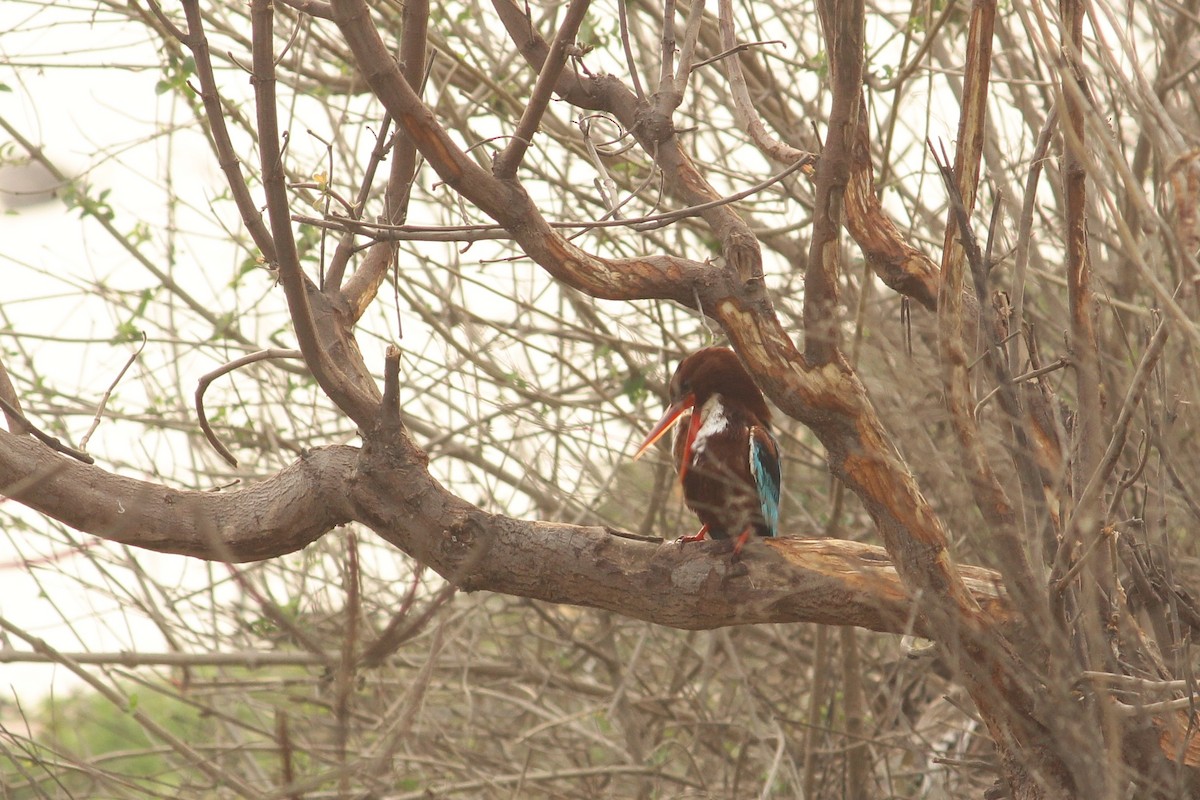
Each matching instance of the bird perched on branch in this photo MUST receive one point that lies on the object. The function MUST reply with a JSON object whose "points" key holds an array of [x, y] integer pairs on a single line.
{"points": [[726, 456]]}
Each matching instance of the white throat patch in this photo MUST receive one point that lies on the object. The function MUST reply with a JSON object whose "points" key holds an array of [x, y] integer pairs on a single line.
{"points": [[713, 420]]}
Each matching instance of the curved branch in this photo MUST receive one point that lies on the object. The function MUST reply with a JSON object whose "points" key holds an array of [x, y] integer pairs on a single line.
{"points": [[207, 378], [17, 422], [279, 515], [387, 487], [744, 111], [896, 262]]}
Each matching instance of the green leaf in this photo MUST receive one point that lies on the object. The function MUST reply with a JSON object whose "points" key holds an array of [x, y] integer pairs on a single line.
{"points": [[634, 387]]}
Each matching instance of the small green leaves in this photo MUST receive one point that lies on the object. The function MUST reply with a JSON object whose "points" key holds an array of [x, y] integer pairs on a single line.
{"points": [[176, 74]]}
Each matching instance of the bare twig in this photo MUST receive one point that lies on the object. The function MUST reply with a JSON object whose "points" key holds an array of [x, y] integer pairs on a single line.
{"points": [[223, 777], [224, 369], [196, 41], [245, 659], [507, 161], [472, 233], [1120, 429], [108, 393], [25, 426]]}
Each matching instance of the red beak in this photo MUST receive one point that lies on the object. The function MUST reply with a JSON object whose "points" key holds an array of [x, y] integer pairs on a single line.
{"points": [[669, 418]]}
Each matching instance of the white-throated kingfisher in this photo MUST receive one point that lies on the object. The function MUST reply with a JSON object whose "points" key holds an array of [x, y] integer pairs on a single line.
{"points": [[726, 456]]}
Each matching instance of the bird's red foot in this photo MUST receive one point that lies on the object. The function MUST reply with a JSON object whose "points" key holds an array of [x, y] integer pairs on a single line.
{"points": [[698, 537], [741, 540]]}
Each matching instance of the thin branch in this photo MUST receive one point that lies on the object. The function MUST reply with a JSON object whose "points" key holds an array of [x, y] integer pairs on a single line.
{"points": [[247, 659], [687, 55], [345, 670], [747, 115], [12, 413], [1091, 546], [1025, 234], [626, 45], [1144, 709], [1134, 683], [472, 788], [227, 159], [733, 51], [220, 324], [473, 233], [1028, 376], [901, 76], [222, 777], [401, 629], [108, 393], [314, 8], [1120, 429], [509, 160], [224, 369]]}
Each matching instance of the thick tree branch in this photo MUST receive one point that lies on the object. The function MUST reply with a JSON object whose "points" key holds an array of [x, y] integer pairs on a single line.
{"points": [[353, 395], [900, 265], [387, 487], [843, 26], [362, 287], [270, 518]]}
